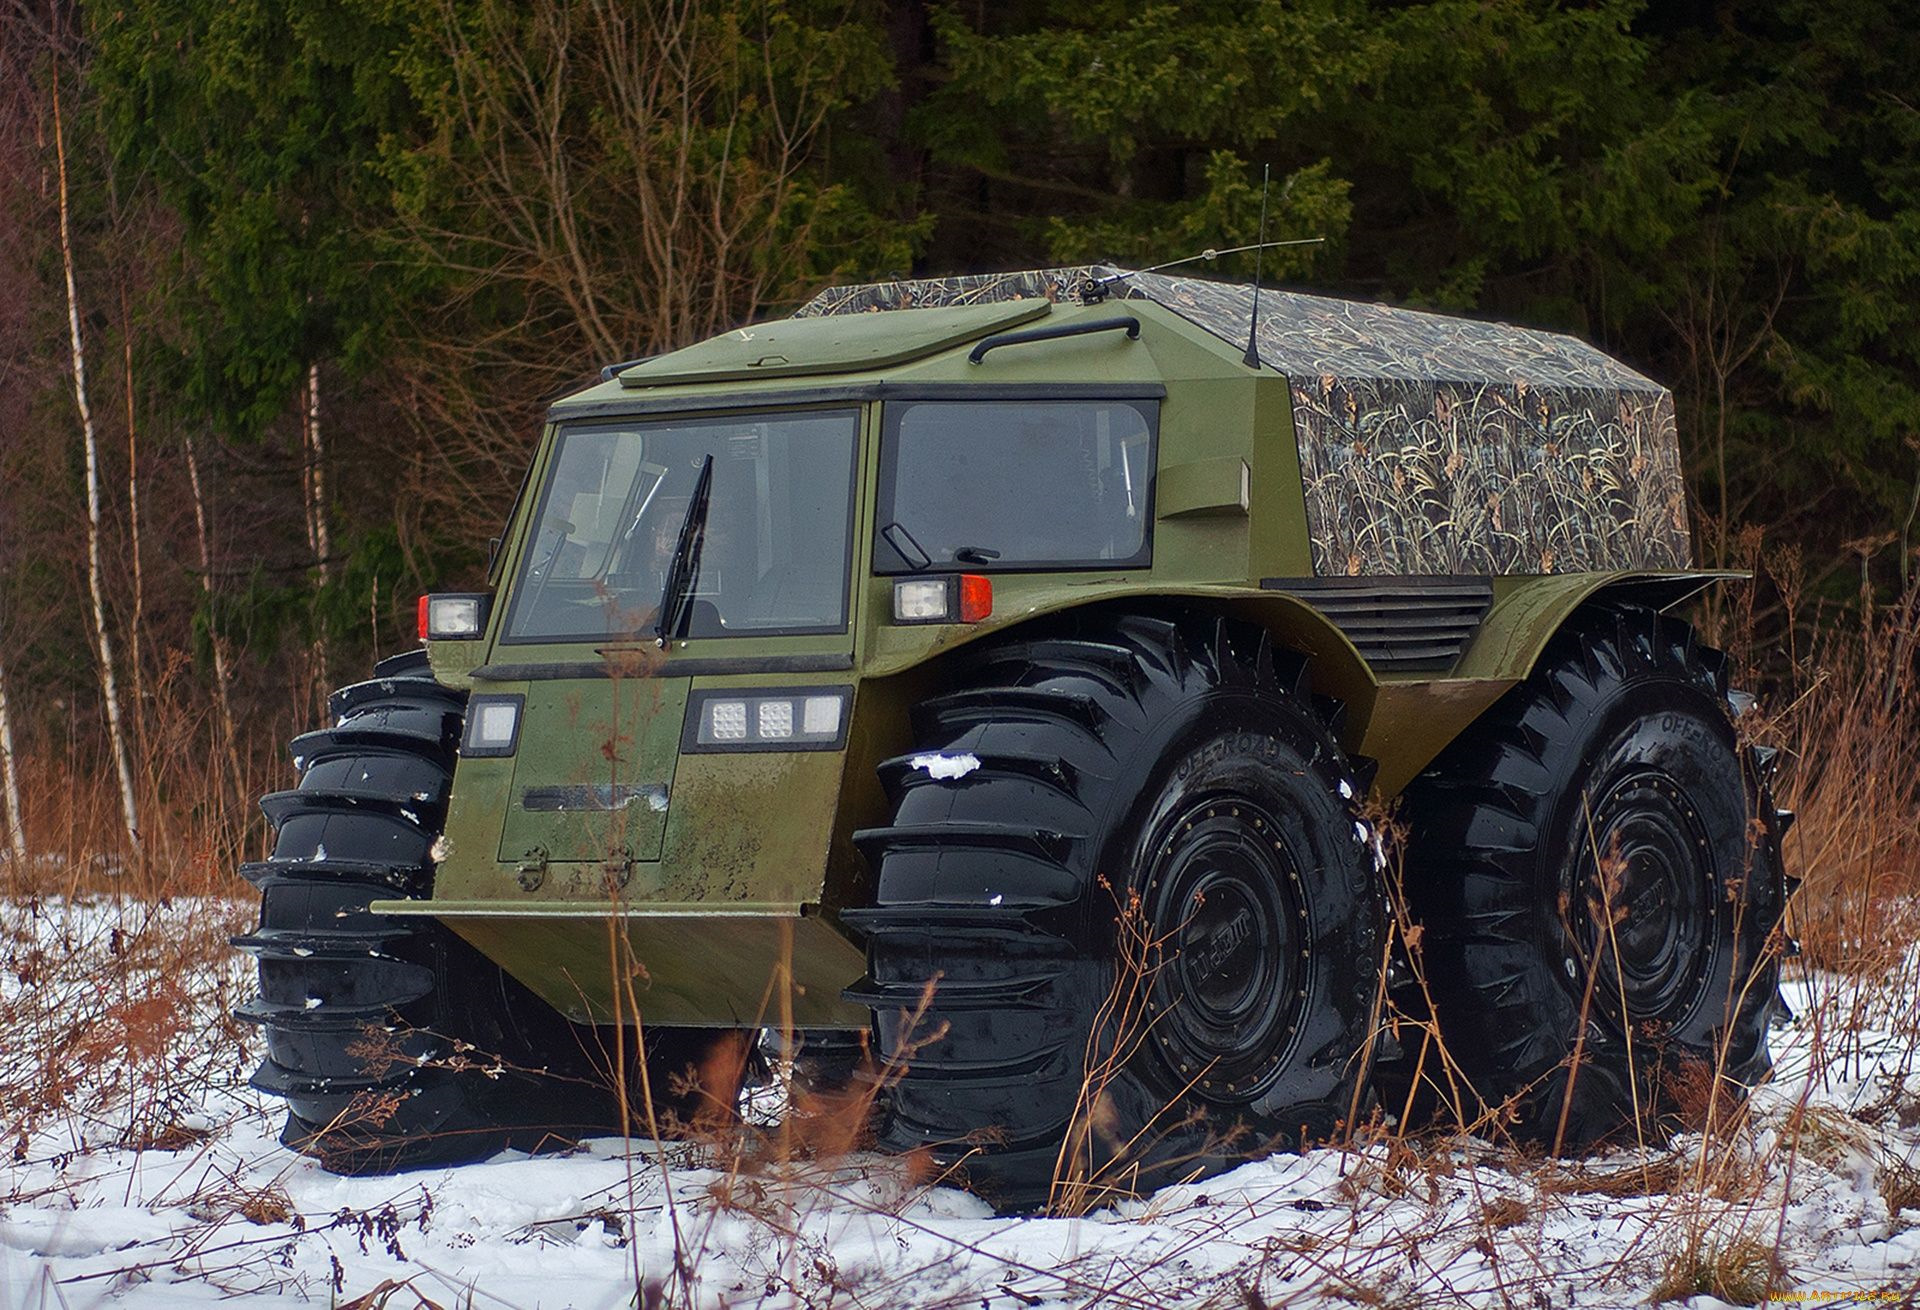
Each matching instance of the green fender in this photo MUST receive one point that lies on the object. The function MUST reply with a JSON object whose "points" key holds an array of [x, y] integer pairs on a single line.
{"points": [[1402, 722], [1411, 720]]}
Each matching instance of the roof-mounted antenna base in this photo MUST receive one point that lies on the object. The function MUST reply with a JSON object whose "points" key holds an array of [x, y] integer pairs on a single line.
{"points": [[1252, 357]]}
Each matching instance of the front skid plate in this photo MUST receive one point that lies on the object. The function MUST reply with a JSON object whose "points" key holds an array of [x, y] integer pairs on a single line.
{"points": [[711, 965]]}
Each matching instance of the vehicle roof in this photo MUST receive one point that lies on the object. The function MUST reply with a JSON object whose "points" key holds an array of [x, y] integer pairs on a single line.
{"points": [[1300, 335], [792, 347], [881, 327]]}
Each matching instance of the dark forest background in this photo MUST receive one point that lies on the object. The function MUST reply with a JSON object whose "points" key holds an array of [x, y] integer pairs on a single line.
{"points": [[284, 288]]}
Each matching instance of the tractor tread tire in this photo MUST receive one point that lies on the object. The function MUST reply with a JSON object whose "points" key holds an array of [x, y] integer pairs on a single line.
{"points": [[1482, 820], [364, 1015], [990, 939]]}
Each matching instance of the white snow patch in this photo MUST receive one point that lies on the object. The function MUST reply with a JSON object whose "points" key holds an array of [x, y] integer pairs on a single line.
{"points": [[440, 850], [946, 768], [89, 1223]]}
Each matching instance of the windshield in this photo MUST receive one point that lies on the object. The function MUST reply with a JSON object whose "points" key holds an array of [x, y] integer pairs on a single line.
{"points": [[1015, 484], [773, 555]]}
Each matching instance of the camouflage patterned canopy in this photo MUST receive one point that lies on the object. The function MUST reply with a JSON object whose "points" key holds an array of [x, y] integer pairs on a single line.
{"points": [[1428, 444]]}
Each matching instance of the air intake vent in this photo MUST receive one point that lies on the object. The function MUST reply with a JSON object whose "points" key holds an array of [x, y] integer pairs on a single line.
{"points": [[1399, 624]]}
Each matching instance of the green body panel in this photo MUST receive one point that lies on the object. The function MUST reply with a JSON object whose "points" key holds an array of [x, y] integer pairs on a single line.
{"points": [[734, 887], [611, 732], [743, 966]]}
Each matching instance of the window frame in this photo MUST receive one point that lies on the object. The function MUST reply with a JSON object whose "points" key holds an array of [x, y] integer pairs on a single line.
{"points": [[893, 412], [654, 419]]}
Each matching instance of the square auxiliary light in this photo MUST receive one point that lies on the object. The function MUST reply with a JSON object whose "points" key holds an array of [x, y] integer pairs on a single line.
{"points": [[453, 616], [821, 717], [727, 720], [949, 598], [493, 726], [775, 719], [797, 719]]}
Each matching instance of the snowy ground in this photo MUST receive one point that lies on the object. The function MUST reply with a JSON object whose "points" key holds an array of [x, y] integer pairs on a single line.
{"points": [[111, 1038]]}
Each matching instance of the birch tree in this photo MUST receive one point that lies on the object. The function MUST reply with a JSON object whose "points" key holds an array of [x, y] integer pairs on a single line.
{"points": [[313, 486], [222, 677], [103, 641], [10, 783], [136, 627]]}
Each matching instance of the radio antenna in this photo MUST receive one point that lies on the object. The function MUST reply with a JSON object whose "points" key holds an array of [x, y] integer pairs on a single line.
{"points": [[1094, 288], [1253, 320]]}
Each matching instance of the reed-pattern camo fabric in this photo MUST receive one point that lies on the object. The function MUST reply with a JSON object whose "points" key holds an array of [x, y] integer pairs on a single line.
{"points": [[1428, 444]]}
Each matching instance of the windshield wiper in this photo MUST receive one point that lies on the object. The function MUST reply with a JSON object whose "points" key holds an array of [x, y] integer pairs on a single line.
{"points": [[975, 554], [676, 596]]}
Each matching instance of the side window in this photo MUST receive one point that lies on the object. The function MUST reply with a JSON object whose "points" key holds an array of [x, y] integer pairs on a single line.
{"points": [[1016, 484]]}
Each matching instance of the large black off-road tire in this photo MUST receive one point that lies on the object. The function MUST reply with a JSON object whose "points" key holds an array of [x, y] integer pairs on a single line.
{"points": [[1596, 869], [395, 1044], [1173, 766]]}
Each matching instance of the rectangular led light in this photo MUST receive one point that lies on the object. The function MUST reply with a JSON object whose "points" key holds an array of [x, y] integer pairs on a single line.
{"points": [[801, 719], [493, 726]]}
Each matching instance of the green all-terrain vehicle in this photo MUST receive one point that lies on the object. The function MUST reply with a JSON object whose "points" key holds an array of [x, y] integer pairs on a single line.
{"points": [[1004, 669]]}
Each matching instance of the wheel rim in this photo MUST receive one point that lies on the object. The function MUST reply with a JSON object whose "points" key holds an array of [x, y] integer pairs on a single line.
{"points": [[1648, 860], [1227, 925]]}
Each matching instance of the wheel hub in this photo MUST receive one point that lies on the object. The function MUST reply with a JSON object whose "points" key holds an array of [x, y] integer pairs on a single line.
{"points": [[1226, 922], [1647, 918]]}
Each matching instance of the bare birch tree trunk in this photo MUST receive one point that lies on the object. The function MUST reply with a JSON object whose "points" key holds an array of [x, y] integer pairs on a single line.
{"points": [[109, 689], [221, 677], [314, 483], [10, 784], [135, 666], [322, 546]]}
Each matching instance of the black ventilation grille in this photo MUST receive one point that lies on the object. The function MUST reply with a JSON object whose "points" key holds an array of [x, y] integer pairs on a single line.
{"points": [[1398, 624]]}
